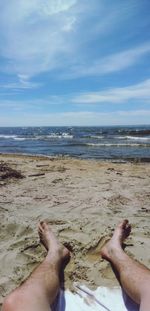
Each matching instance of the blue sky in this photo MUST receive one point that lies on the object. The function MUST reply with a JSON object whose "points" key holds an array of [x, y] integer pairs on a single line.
{"points": [[74, 62]]}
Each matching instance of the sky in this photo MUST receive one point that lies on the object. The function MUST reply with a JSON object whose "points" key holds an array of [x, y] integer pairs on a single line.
{"points": [[74, 62]]}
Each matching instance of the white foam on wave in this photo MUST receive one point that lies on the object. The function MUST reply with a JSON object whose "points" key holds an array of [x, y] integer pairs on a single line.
{"points": [[53, 136], [97, 136], [117, 145], [57, 135], [132, 138], [14, 137], [138, 138], [38, 137], [8, 136], [19, 138]]}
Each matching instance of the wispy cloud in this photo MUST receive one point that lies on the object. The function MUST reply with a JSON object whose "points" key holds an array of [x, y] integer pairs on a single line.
{"points": [[111, 63], [85, 118], [45, 42], [140, 91], [21, 85], [38, 36], [34, 33], [29, 105]]}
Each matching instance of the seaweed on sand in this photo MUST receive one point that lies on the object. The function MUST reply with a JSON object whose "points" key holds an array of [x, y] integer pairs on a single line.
{"points": [[6, 172]]}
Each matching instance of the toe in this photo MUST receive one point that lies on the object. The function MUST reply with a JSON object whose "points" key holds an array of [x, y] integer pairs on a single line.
{"points": [[125, 223], [40, 228], [44, 225], [128, 230]]}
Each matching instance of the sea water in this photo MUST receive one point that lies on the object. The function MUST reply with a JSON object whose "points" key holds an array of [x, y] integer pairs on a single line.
{"points": [[114, 143]]}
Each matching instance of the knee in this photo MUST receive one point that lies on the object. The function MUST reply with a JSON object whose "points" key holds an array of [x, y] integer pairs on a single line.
{"points": [[9, 303]]}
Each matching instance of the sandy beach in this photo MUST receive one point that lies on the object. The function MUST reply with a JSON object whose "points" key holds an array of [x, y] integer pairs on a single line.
{"points": [[82, 200]]}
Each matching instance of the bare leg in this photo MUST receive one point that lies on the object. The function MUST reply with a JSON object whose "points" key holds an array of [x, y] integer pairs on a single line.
{"points": [[39, 291], [134, 277]]}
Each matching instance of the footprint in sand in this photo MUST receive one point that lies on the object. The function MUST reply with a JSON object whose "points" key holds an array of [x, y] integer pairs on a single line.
{"points": [[117, 200], [93, 253]]}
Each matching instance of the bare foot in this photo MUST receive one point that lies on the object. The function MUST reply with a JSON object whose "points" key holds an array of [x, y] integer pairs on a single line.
{"points": [[51, 243], [121, 232]]}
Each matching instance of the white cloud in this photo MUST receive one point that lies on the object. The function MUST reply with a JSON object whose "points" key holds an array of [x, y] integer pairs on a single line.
{"points": [[28, 105], [85, 118], [111, 63], [20, 85], [38, 36], [56, 6], [140, 91], [34, 33]]}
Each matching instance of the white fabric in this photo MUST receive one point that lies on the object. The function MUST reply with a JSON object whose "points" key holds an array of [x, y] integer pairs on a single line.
{"points": [[102, 299]]}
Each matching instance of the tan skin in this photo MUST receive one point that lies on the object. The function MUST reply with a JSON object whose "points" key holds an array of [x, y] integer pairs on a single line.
{"points": [[41, 288], [134, 277], [39, 291]]}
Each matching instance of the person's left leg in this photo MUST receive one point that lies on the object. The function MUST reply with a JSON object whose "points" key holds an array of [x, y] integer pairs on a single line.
{"points": [[39, 291], [134, 277]]}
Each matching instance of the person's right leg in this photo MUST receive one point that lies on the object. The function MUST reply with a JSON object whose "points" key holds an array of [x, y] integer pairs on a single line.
{"points": [[39, 291], [134, 277]]}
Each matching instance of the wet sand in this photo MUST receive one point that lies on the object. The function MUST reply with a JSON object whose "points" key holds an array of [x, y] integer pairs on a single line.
{"points": [[82, 200]]}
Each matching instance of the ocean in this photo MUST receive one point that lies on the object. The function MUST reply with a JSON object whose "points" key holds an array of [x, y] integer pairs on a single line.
{"points": [[119, 143]]}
